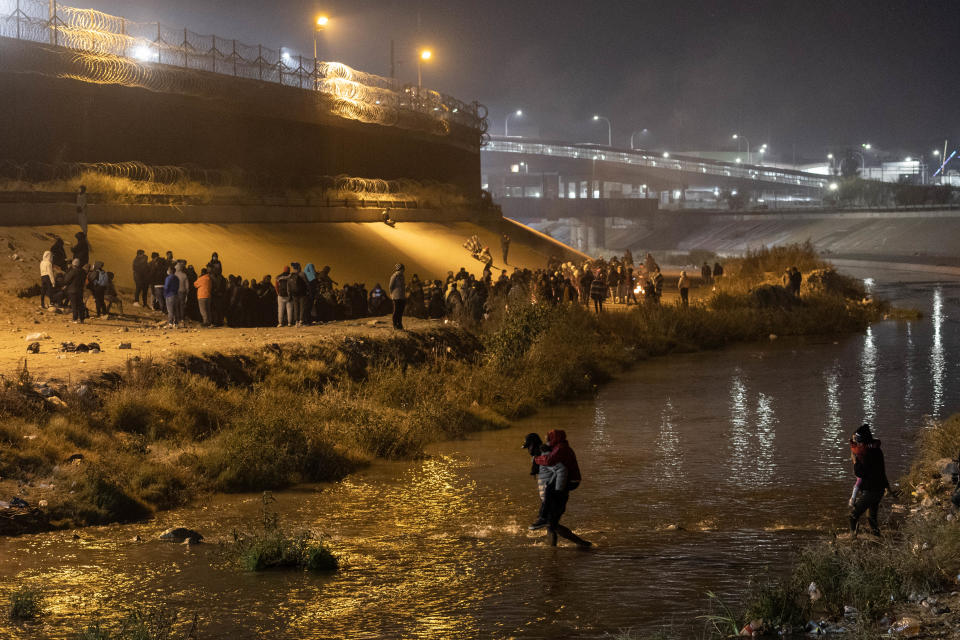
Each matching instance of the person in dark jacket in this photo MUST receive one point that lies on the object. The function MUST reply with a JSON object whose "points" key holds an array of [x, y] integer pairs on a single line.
{"points": [[141, 278], [73, 283], [171, 294], [81, 250], [556, 497], [398, 294], [868, 466], [598, 291], [58, 255]]}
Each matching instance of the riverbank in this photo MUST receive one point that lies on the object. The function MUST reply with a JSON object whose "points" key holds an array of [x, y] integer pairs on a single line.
{"points": [[904, 583], [163, 432]]}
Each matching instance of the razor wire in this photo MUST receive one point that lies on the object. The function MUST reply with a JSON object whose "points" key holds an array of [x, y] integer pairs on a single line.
{"points": [[113, 50]]}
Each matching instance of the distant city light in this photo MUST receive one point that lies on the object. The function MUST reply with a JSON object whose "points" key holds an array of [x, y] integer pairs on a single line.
{"points": [[834, 186], [666, 154], [936, 153], [908, 159], [829, 156], [739, 159], [866, 145]]}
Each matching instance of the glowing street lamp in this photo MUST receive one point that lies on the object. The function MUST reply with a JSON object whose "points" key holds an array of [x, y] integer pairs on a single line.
{"points": [[506, 122], [609, 129], [737, 137], [318, 26], [936, 153], [666, 154], [833, 186], [867, 146], [425, 56]]}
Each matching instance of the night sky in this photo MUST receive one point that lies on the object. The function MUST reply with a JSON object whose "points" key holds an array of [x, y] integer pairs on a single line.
{"points": [[807, 74]]}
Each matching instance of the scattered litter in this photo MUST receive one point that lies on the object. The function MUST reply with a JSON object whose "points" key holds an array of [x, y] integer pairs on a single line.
{"points": [[124, 345], [907, 627], [37, 336], [54, 400], [33, 347], [814, 592], [43, 503]]}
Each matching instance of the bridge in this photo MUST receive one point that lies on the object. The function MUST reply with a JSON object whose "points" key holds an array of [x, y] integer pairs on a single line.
{"points": [[521, 168]]}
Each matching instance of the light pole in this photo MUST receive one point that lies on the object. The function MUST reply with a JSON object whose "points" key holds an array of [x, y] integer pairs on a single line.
{"points": [[506, 122], [763, 150], [425, 56], [609, 129], [737, 136], [318, 27], [863, 162], [642, 132]]}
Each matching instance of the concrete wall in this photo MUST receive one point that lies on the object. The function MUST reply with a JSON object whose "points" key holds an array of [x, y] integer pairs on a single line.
{"points": [[554, 209], [35, 214], [281, 136], [924, 235]]}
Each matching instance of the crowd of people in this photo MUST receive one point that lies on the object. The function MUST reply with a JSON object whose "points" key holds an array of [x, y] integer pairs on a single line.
{"points": [[300, 294]]}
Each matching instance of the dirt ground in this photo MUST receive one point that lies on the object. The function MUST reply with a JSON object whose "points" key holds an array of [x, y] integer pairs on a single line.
{"points": [[356, 252]]}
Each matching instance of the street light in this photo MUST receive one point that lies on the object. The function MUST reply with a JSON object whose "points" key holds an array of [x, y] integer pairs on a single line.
{"points": [[506, 122], [832, 163], [609, 129], [867, 146], [666, 154], [425, 56], [318, 27], [763, 150], [642, 132], [737, 137]]}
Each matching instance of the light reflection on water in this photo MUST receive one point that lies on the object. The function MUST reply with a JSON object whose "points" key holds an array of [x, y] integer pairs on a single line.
{"points": [[937, 357], [700, 472], [868, 376], [833, 424]]}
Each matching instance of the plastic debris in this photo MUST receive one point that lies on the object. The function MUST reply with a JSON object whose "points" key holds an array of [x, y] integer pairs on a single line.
{"points": [[907, 627], [814, 592]]}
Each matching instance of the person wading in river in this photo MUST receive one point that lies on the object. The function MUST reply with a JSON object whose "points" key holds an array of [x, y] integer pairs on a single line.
{"points": [[560, 483], [871, 483]]}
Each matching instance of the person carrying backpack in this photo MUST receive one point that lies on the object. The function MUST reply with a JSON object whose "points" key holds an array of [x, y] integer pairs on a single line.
{"points": [[97, 283]]}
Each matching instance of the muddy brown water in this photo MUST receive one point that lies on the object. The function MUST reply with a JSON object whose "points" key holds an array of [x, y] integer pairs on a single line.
{"points": [[702, 472]]}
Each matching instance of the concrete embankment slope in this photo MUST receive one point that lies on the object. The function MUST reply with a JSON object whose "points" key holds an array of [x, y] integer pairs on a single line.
{"points": [[356, 252], [924, 235]]}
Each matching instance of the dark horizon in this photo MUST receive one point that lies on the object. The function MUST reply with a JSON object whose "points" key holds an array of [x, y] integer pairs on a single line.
{"points": [[802, 78]]}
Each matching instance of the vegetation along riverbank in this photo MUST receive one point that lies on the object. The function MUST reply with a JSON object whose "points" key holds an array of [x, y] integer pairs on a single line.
{"points": [[901, 585], [160, 433]]}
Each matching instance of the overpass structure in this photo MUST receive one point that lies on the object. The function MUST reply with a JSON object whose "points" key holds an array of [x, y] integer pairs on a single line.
{"points": [[595, 198], [520, 168]]}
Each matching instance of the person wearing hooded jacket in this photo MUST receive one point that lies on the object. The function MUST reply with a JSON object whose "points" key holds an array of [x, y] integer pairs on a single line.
{"points": [[398, 293], [558, 492], [58, 255], [73, 283], [872, 483], [81, 250]]}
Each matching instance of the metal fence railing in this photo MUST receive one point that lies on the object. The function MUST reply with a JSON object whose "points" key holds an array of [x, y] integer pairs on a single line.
{"points": [[645, 159], [115, 50]]}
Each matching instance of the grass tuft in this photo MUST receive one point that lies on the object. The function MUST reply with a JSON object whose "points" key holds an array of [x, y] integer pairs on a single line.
{"points": [[25, 604]]}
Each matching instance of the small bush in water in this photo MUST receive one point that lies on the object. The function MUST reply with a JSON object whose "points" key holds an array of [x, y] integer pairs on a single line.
{"points": [[139, 624], [273, 548], [25, 604]]}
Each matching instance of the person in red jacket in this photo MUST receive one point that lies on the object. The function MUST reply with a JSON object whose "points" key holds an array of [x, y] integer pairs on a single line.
{"points": [[555, 499]]}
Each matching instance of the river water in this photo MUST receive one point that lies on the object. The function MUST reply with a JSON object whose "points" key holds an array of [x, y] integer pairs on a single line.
{"points": [[701, 473]]}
